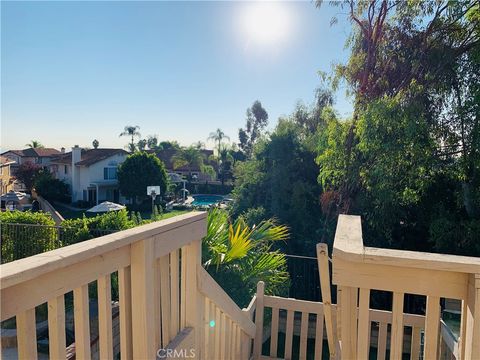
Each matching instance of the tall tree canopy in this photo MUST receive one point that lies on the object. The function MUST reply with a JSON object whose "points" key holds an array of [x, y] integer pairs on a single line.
{"points": [[257, 120], [414, 73], [138, 171]]}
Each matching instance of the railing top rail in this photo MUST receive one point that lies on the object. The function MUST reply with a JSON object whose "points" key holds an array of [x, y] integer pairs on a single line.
{"points": [[28, 268], [348, 245]]}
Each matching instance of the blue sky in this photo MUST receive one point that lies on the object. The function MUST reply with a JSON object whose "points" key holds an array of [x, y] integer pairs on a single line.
{"points": [[76, 71]]}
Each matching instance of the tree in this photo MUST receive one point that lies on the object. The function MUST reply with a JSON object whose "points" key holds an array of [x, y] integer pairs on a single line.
{"points": [[34, 144], [95, 144], [281, 178], [50, 188], [132, 132], [166, 145], [409, 159], [218, 136], [224, 161], [257, 120], [27, 173], [152, 172], [142, 144], [152, 142], [191, 157], [238, 256]]}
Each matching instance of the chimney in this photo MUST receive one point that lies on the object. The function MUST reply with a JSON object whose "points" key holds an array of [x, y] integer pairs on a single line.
{"points": [[62, 150], [76, 157], [76, 154]]}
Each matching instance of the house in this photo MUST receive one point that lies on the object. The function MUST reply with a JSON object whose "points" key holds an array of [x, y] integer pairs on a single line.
{"points": [[39, 156], [166, 156], [90, 173], [6, 180]]}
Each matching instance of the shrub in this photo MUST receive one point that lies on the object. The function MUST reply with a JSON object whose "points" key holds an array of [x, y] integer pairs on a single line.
{"points": [[23, 240], [51, 189]]}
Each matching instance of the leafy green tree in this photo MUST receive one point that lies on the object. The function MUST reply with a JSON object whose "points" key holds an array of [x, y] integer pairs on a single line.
{"points": [[257, 120], [281, 178], [141, 144], [238, 256], [166, 145], [138, 171], [191, 157], [27, 173], [34, 144], [132, 132], [50, 188], [152, 142], [95, 144]]}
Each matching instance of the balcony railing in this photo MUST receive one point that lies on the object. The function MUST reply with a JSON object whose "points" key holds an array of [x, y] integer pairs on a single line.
{"points": [[167, 302]]}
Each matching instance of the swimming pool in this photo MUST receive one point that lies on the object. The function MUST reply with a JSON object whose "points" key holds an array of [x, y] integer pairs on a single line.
{"points": [[206, 200]]}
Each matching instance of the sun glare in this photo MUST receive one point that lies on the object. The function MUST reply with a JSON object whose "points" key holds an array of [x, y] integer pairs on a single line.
{"points": [[265, 23]]}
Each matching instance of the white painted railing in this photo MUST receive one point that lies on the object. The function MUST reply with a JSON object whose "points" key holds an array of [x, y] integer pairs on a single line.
{"points": [[358, 269], [166, 299]]}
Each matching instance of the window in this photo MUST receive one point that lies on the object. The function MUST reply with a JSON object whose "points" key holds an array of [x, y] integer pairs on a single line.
{"points": [[65, 169], [109, 173], [1, 172]]}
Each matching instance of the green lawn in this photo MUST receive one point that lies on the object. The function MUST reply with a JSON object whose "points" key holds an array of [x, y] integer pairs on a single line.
{"points": [[71, 214]]}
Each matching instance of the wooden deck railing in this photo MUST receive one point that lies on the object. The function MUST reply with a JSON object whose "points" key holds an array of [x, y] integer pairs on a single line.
{"points": [[357, 270], [166, 299]]}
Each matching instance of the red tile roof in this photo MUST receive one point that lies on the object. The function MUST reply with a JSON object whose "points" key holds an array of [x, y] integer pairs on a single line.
{"points": [[35, 152], [89, 156]]}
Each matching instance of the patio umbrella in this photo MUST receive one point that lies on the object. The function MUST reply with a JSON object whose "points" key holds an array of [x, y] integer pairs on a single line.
{"points": [[106, 206]]}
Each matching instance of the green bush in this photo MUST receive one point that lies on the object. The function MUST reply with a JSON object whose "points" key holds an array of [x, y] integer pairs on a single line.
{"points": [[76, 230], [22, 239], [51, 189]]}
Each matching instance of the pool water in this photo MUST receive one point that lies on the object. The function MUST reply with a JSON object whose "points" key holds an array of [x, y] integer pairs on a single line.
{"points": [[206, 200]]}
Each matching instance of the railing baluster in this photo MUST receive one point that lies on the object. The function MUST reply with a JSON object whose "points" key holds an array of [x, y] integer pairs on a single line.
{"points": [[348, 318], [396, 340], [319, 336], [105, 317], [26, 335], [218, 334], [82, 322], [471, 319], [223, 338], [382, 341], [289, 335], [207, 352], [56, 328], [165, 300], [303, 336], [274, 333], [228, 339], [183, 286], [363, 344], [125, 308], [257, 343], [174, 284], [432, 325], [415, 343], [238, 347], [324, 275], [143, 291]]}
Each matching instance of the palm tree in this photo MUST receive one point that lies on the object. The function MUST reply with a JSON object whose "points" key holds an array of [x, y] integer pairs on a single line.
{"points": [[132, 131], [190, 157], [218, 136], [34, 144], [238, 256], [224, 160]]}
